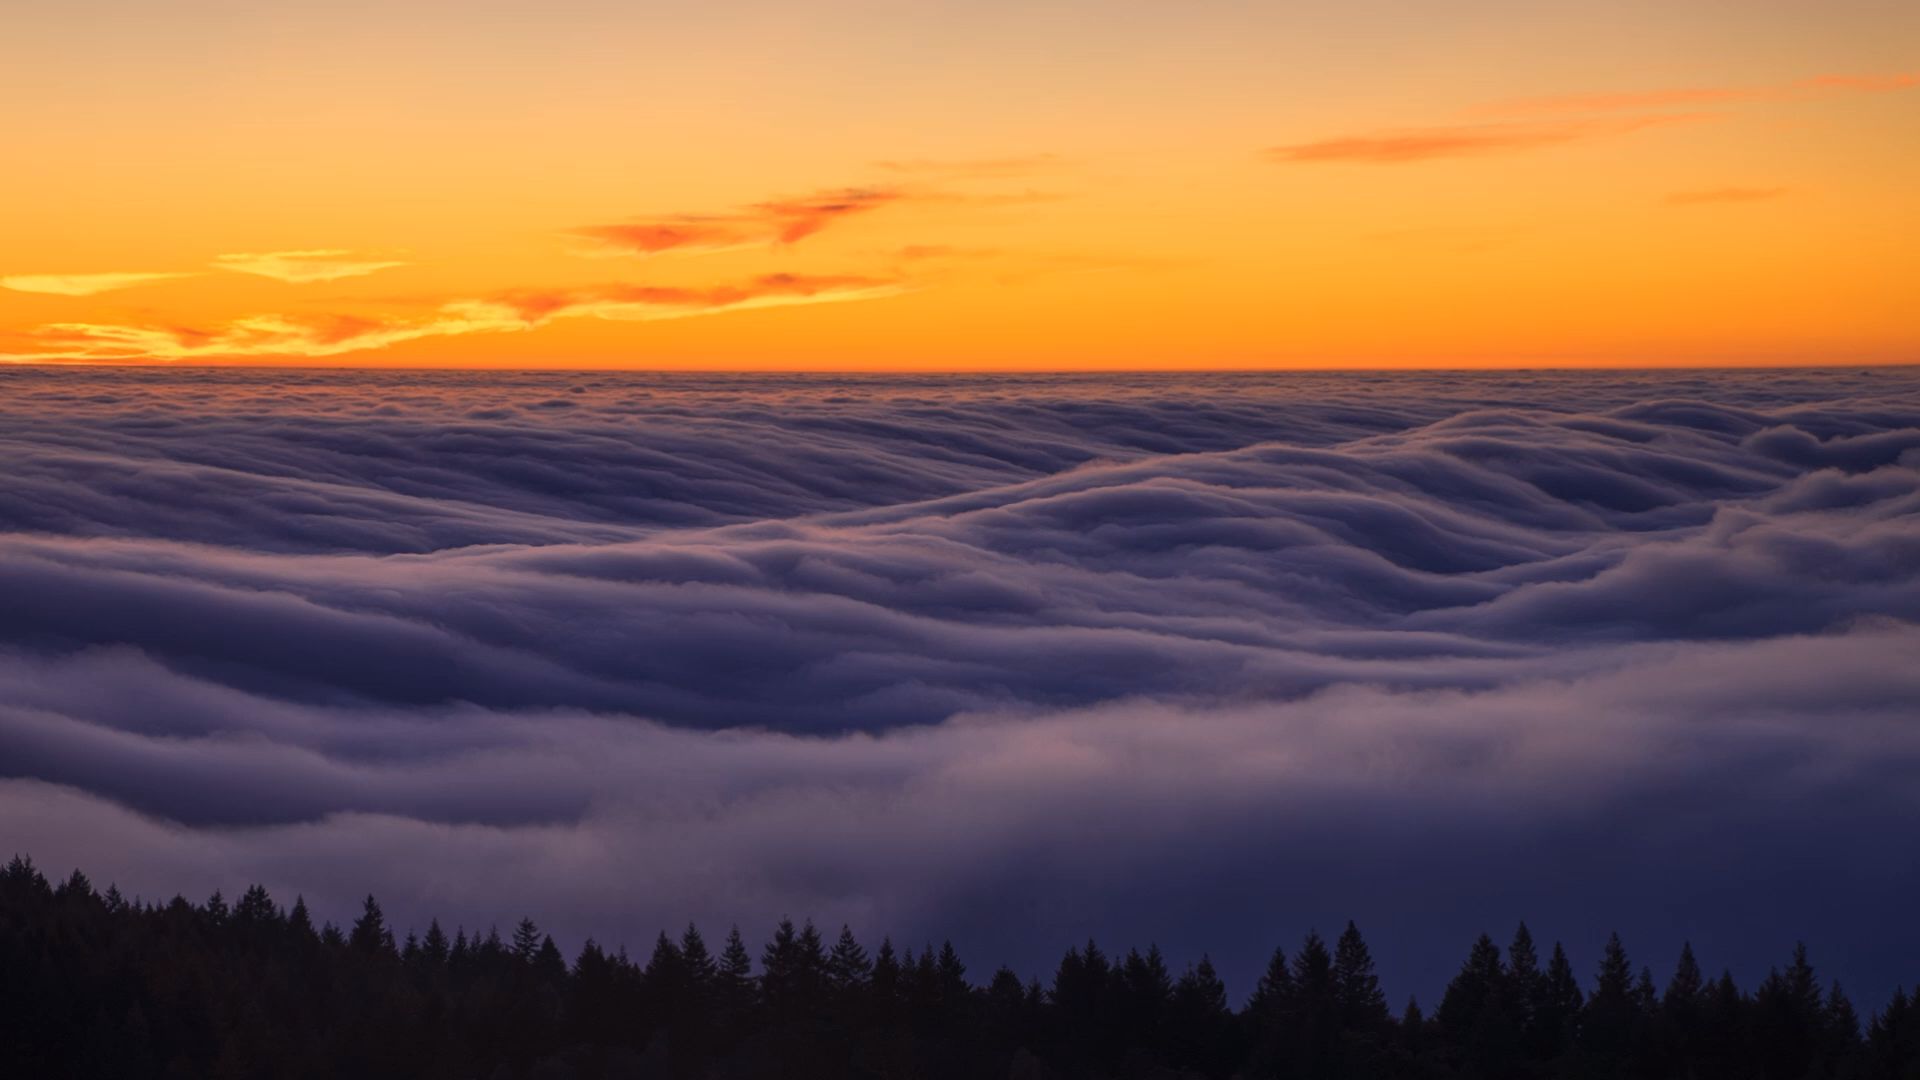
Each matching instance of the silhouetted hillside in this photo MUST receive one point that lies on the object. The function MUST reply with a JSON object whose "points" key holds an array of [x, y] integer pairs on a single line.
{"points": [[98, 986]]}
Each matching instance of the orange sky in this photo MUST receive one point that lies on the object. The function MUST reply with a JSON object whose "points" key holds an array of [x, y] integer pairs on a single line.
{"points": [[927, 184]]}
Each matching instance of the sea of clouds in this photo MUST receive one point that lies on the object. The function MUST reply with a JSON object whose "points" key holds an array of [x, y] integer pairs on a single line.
{"points": [[1206, 660]]}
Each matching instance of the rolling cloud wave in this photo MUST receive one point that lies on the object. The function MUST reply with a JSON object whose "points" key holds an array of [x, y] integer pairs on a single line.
{"points": [[1013, 658]]}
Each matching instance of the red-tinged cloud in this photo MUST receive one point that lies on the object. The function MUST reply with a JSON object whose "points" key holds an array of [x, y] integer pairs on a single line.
{"points": [[797, 219], [1721, 196], [1456, 141], [777, 221], [305, 336], [682, 234]]}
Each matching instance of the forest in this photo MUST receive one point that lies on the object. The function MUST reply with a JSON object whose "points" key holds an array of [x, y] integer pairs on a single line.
{"points": [[93, 984]]}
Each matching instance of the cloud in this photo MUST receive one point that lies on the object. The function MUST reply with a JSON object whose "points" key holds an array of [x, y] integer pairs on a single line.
{"points": [[513, 312], [776, 221], [1410, 145], [83, 284], [1208, 659], [1725, 195], [683, 234], [1588, 118], [305, 267], [787, 221]]}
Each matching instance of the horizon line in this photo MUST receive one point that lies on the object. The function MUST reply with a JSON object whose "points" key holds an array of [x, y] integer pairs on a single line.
{"points": [[1808, 365]]}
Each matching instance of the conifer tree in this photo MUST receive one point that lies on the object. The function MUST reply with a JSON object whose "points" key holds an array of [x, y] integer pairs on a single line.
{"points": [[526, 941], [886, 982], [1687, 984], [1356, 985], [548, 963], [1645, 998], [1791, 1015], [371, 936], [435, 950], [1843, 1022], [951, 989], [734, 987], [1554, 1023], [780, 963], [1275, 987], [1609, 1023], [300, 922], [20, 873], [1200, 1020], [1476, 992], [77, 888], [1524, 978], [810, 959], [849, 972], [255, 908], [1893, 1038], [697, 962], [1477, 1016]]}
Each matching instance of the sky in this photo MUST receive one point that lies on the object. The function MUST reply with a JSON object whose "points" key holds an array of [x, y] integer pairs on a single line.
{"points": [[947, 186]]}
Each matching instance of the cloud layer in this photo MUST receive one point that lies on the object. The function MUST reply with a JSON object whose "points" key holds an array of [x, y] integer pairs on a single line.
{"points": [[1207, 659]]}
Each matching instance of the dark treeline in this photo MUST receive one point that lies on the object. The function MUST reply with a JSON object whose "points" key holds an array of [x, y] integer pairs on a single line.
{"points": [[94, 985]]}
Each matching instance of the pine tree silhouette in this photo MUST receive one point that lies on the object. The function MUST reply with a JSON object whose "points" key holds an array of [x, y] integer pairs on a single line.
{"points": [[299, 922], [1356, 985], [849, 972], [435, 949], [526, 941], [1610, 1021], [370, 935]]}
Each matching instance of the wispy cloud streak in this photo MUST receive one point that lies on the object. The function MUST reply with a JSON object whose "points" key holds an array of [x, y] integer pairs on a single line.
{"points": [[306, 267], [294, 336], [1587, 117], [1410, 145], [774, 222], [84, 284]]}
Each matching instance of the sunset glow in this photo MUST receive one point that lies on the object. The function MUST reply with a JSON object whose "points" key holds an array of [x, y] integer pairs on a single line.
{"points": [[958, 539], [935, 187]]}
